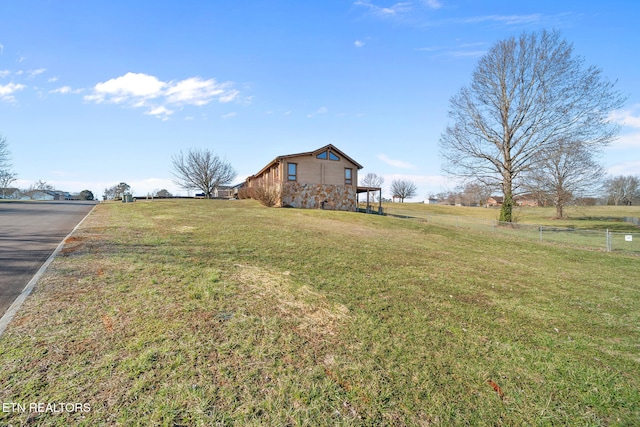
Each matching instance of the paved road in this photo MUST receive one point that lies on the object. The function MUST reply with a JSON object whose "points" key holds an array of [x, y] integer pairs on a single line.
{"points": [[29, 233]]}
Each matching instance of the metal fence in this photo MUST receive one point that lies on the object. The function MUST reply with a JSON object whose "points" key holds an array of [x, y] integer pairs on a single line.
{"points": [[591, 239]]}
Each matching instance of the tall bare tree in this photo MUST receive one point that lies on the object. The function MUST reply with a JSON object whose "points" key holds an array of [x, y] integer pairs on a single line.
{"points": [[202, 170], [563, 172], [5, 154], [403, 189], [526, 94], [7, 176], [622, 190]]}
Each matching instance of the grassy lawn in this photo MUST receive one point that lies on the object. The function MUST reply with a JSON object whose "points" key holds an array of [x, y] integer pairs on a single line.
{"points": [[201, 313], [581, 217]]}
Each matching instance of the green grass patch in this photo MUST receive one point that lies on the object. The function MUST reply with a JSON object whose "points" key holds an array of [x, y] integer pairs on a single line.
{"points": [[199, 313]]}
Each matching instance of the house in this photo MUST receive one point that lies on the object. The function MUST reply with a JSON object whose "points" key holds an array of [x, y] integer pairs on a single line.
{"points": [[9, 193], [38, 195], [526, 200], [495, 201], [325, 178]]}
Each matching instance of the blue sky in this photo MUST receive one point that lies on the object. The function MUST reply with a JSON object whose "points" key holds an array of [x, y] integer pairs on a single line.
{"points": [[93, 93]]}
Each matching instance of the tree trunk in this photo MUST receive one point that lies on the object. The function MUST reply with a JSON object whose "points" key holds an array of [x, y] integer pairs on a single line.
{"points": [[506, 211]]}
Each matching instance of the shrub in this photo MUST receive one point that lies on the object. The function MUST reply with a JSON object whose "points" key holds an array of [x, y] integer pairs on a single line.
{"points": [[268, 196]]}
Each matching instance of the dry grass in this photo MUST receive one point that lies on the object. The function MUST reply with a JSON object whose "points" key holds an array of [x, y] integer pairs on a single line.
{"points": [[199, 313]]}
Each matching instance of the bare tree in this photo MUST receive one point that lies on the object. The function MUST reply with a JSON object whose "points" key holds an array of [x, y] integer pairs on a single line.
{"points": [[202, 170], [372, 180], [622, 190], [117, 191], [563, 172], [7, 176], [403, 189], [526, 95], [5, 154]]}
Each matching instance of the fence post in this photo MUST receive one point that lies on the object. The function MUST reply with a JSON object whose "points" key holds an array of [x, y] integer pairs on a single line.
{"points": [[541, 233], [608, 241]]}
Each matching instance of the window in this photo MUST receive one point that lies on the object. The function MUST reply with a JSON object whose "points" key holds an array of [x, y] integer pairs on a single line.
{"points": [[327, 155], [347, 176], [292, 171]]}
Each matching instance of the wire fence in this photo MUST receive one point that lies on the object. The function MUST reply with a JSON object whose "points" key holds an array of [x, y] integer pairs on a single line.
{"points": [[592, 239]]}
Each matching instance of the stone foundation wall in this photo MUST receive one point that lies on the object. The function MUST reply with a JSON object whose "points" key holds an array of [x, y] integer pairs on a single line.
{"points": [[312, 196]]}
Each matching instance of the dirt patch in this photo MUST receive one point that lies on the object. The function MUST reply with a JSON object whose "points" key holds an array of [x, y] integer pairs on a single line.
{"points": [[313, 313]]}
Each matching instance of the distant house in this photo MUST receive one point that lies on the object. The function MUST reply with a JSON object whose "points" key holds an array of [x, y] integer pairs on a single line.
{"points": [[45, 195], [9, 193], [495, 201], [325, 178], [526, 200], [432, 200], [38, 195], [522, 200]]}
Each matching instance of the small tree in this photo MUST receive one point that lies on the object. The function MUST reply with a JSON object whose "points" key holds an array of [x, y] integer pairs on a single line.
{"points": [[86, 195], [563, 172], [117, 191], [202, 170], [163, 194], [403, 189], [6, 178]]}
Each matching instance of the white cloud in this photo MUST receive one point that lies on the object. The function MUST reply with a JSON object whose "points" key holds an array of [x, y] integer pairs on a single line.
{"points": [[160, 112], [433, 4], [396, 163], [321, 110], [393, 10], [627, 140], [1, 48], [37, 72], [4, 73], [7, 91], [629, 117], [196, 91], [139, 90], [61, 90], [127, 87], [52, 79], [229, 115], [504, 19], [358, 43], [624, 168]]}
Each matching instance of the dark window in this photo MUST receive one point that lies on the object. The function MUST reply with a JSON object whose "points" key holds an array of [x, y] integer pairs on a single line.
{"points": [[292, 171], [347, 176], [333, 156], [322, 155]]}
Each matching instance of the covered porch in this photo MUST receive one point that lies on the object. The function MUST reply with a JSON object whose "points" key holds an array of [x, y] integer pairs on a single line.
{"points": [[370, 200]]}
